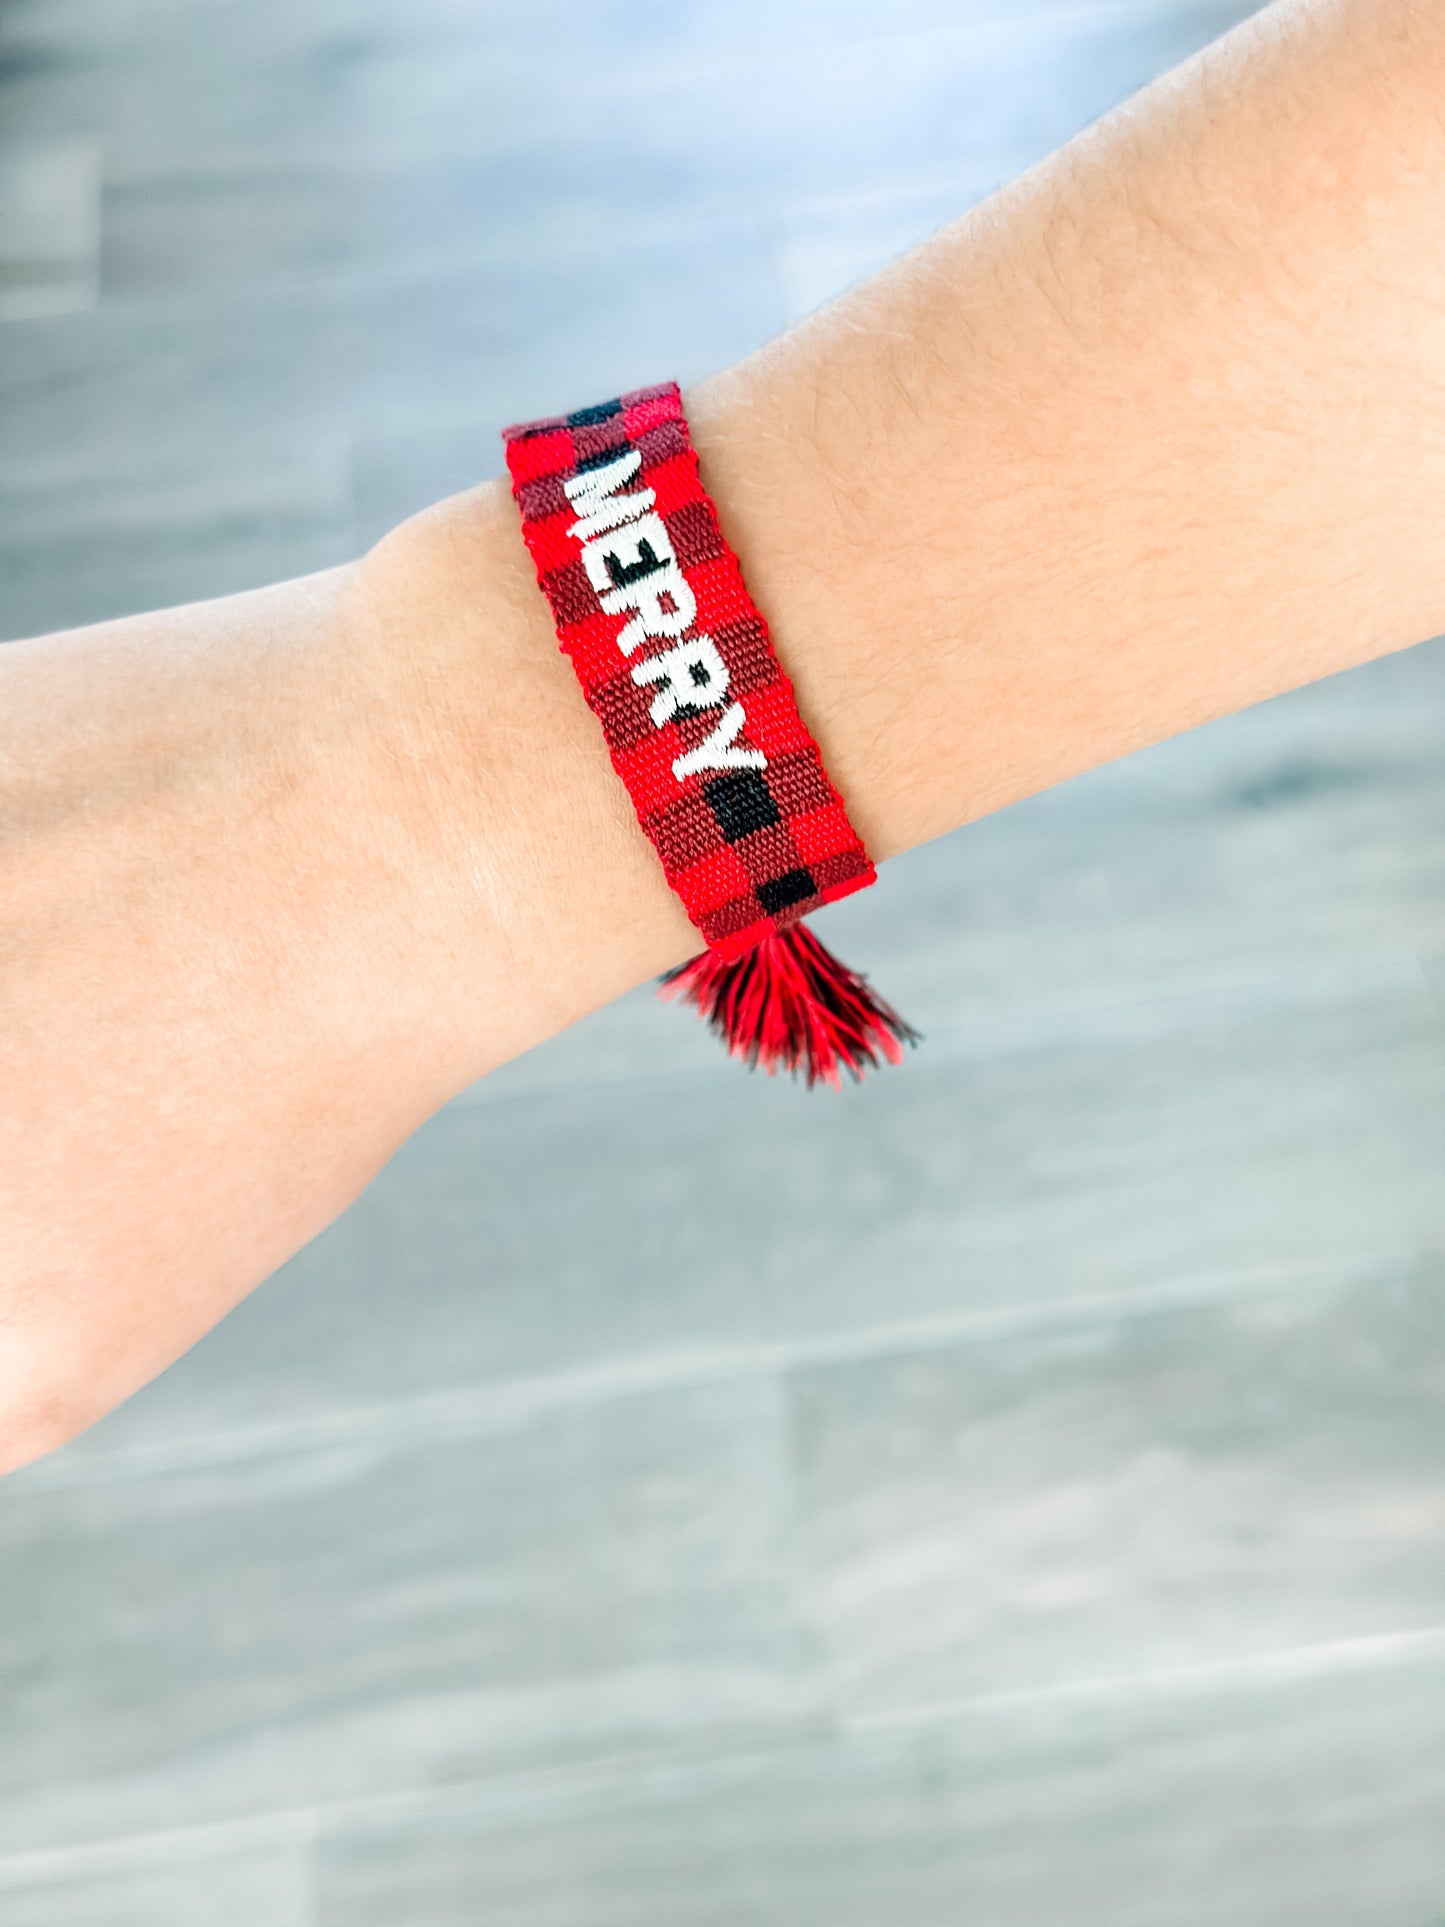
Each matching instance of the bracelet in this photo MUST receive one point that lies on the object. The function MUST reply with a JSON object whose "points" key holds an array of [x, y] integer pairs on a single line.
{"points": [[676, 663]]}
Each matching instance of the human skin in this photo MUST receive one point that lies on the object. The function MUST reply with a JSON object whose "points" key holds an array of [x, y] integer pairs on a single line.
{"points": [[1154, 433]]}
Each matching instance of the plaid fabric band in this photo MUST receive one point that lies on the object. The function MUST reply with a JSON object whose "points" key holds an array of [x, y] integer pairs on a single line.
{"points": [[676, 663]]}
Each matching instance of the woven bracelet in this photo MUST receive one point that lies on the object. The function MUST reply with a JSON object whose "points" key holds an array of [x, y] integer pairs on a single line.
{"points": [[676, 663]]}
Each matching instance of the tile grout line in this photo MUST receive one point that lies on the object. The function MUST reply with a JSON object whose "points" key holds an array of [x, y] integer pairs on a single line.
{"points": [[300, 1828], [1250, 1672], [515, 1403], [1434, 976], [1165, 1010]]}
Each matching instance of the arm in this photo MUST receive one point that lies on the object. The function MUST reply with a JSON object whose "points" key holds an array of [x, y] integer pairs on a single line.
{"points": [[1153, 434]]}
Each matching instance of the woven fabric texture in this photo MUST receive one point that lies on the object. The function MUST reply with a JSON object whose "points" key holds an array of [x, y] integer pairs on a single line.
{"points": [[677, 665]]}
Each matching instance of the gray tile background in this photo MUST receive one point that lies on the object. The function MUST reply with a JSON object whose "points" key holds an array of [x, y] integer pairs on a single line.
{"points": [[1033, 1511]]}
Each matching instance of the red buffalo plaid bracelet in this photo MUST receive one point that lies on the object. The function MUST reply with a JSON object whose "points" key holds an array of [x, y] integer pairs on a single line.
{"points": [[675, 661]]}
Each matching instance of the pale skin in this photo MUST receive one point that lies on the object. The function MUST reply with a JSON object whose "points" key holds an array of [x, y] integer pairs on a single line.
{"points": [[1155, 433]]}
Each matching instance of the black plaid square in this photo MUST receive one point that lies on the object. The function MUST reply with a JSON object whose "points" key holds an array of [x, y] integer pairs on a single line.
{"points": [[780, 893], [741, 802], [601, 411]]}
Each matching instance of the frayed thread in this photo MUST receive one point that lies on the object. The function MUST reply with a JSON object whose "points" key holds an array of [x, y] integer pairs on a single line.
{"points": [[789, 1004]]}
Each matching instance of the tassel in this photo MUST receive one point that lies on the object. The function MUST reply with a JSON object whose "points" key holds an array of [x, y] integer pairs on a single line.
{"points": [[789, 1004]]}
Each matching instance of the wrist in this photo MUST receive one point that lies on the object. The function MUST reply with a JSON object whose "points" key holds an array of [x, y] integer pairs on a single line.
{"points": [[543, 899]]}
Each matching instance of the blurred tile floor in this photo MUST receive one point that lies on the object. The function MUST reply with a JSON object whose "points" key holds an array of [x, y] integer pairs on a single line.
{"points": [[1044, 1520]]}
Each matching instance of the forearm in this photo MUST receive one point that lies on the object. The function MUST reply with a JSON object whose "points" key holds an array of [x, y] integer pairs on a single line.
{"points": [[1155, 433], [216, 905]]}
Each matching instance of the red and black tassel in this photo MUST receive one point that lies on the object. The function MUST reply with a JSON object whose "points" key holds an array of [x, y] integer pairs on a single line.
{"points": [[789, 1004]]}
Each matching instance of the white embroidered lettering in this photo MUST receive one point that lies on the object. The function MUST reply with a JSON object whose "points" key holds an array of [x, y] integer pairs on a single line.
{"points": [[630, 561], [616, 510], [720, 751], [594, 494], [614, 562], [653, 617], [693, 675]]}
